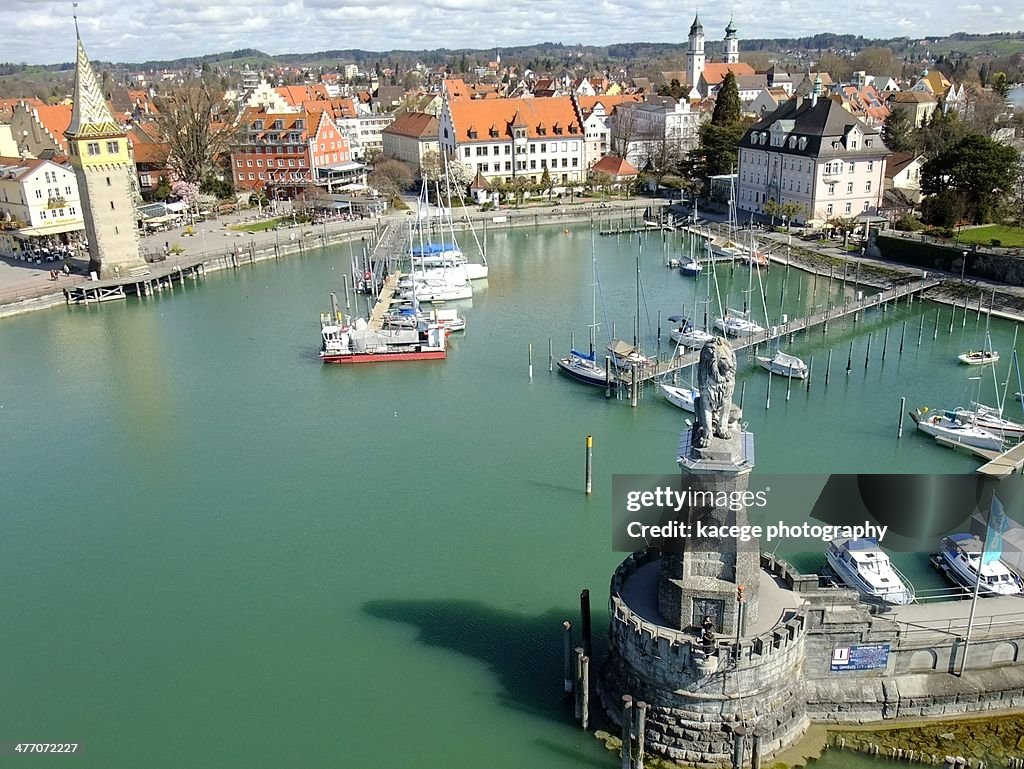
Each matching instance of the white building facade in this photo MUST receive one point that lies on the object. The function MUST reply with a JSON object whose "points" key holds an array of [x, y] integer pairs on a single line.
{"points": [[813, 154], [38, 202]]}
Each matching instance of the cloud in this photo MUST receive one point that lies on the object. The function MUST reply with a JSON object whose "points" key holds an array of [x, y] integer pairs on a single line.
{"points": [[41, 31]]}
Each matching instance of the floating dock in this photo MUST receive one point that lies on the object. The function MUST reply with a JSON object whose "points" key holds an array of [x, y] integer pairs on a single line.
{"points": [[1005, 464], [384, 299], [141, 281]]}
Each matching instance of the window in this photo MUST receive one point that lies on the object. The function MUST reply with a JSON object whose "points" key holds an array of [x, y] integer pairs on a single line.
{"points": [[42, 214], [485, 167], [850, 167], [871, 163], [508, 149], [248, 163], [466, 152], [251, 176], [72, 211], [832, 188], [260, 162], [67, 191], [848, 208], [828, 209], [238, 163], [533, 165], [112, 148], [39, 194], [867, 186], [849, 188], [261, 176], [108, 181], [241, 177], [533, 148], [93, 148], [574, 162], [543, 147], [865, 205], [508, 165]]}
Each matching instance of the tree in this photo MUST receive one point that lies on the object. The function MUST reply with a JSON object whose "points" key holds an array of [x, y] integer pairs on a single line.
{"points": [[727, 102], [980, 169], [662, 157], [877, 61], [192, 119], [771, 208], [674, 89], [791, 209], [625, 129], [547, 183], [846, 225], [389, 177], [942, 131], [944, 209], [1001, 85], [162, 191], [898, 131]]}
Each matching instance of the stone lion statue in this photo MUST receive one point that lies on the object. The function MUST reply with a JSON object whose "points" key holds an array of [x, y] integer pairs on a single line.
{"points": [[716, 380]]}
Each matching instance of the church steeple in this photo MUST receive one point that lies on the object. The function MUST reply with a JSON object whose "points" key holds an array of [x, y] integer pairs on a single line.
{"points": [[90, 115], [695, 52], [731, 45]]}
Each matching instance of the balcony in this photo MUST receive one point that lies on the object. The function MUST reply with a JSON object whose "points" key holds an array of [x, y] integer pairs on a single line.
{"points": [[56, 202]]}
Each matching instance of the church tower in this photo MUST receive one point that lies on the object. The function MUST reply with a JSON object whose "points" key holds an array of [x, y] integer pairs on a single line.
{"points": [[695, 52], [732, 44], [98, 147]]}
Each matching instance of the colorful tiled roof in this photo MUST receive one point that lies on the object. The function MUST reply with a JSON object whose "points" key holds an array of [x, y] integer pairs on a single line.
{"points": [[490, 119], [91, 116]]}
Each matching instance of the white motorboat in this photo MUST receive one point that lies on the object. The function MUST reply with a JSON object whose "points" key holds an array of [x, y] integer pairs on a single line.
{"points": [[959, 558], [690, 266], [861, 564], [735, 323], [407, 317], [686, 334], [955, 427], [978, 357], [584, 368], [683, 397], [784, 364], [991, 418]]}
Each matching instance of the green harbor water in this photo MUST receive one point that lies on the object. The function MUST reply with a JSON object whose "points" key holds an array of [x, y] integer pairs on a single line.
{"points": [[215, 551]]}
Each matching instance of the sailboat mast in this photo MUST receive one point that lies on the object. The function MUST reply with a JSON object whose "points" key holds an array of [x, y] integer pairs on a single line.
{"points": [[593, 291], [636, 318]]}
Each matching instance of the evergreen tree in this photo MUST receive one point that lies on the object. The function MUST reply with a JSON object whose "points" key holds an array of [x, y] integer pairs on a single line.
{"points": [[898, 131], [727, 102], [980, 170]]}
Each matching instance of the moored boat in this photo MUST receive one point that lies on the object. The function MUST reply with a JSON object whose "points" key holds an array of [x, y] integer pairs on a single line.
{"points": [[736, 323], [991, 418], [956, 428], [584, 368], [683, 397], [686, 334], [978, 357], [690, 266], [784, 364], [862, 565], [960, 558], [357, 343]]}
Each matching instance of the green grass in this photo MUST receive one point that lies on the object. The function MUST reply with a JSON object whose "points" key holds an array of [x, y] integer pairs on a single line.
{"points": [[269, 224], [1010, 237]]}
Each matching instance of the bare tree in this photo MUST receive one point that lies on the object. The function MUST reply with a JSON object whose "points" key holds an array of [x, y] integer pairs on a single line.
{"points": [[625, 129], [198, 127], [389, 177]]}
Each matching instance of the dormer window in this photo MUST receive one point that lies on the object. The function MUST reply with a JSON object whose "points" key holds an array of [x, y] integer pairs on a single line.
{"points": [[572, 129], [558, 128], [472, 132], [802, 142], [257, 125], [300, 124], [792, 142], [278, 125], [868, 142]]}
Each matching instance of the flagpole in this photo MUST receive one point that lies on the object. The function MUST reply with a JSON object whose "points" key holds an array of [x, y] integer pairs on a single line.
{"points": [[977, 588]]}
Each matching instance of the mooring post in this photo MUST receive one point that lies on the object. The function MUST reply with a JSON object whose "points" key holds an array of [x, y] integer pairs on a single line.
{"points": [[743, 391], [585, 686], [828, 365], [768, 392], [572, 340], [810, 369], [903, 335], [577, 670], [551, 356], [903, 406], [849, 360], [739, 734], [952, 317], [659, 328], [334, 307], [530, 353], [627, 732], [789, 384], [935, 333], [640, 731], [607, 376], [920, 331], [867, 352], [589, 463], [633, 389], [567, 657], [585, 616], [755, 751], [344, 282], [885, 342]]}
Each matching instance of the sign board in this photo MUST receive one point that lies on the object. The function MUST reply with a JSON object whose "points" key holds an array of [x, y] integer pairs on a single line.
{"points": [[860, 657], [499, 219]]}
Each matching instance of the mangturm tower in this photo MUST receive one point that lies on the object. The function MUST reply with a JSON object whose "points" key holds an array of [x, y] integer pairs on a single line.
{"points": [[98, 146]]}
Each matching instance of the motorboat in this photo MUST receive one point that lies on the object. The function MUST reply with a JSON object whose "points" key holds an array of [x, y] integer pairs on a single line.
{"points": [[955, 426], [690, 266], [978, 357], [683, 397], [584, 368], [735, 323], [862, 565], [686, 334], [628, 356], [435, 291], [784, 364], [960, 557], [358, 343], [408, 317]]}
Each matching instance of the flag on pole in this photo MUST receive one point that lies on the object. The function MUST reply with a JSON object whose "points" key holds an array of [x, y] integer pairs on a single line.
{"points": [[997, 524]]}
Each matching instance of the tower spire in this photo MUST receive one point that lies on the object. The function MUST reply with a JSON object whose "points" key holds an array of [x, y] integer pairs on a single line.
{"points": [[74, 15], [90, 115]]}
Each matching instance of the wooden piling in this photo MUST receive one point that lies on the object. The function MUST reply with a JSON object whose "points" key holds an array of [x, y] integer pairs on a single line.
{"points": [[633, 388], [627, 732], [755, 750], [828, 365], [920, 331], [344, 282], [935, 334], [768, 392], [585, 617], [567, 657], [743, 391], [885, 342], [903, 409], [867, 352], [607, 376], [551, 356], [577, 670], [639, 733], [585, 691], [589, 464], [903, 335], [849, 360], [789, 384], [739, 735], [810, 369], [530, 353], [952, 317]]}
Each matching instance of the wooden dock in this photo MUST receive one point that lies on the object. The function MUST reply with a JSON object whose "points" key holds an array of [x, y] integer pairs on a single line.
{"points": [[141, 281], [1005, 464], [624, 377], [384, 299]]}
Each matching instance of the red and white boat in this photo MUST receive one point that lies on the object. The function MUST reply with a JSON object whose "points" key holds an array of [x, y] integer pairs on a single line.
{"points": [[357, 343]]}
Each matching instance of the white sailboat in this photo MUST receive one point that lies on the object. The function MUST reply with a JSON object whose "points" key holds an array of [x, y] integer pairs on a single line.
{"points": [[736, 323], [583, 367], [683, 397], [956, 427], [784, 364]]}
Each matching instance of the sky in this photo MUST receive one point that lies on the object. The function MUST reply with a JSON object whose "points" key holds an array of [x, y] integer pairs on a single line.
{"points": [[42, 32]]}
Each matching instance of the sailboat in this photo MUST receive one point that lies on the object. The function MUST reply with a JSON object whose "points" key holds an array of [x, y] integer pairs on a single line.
{"points": [[583, 367], [737, 323], [689, 265], [625, 355]]}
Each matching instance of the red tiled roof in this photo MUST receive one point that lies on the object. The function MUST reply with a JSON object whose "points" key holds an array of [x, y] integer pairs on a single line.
{"points": [[587, 103], [295, 95], [55, 119], [614, 166], [542, 118], [715, 72], [416, 125]]}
